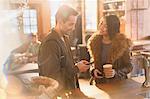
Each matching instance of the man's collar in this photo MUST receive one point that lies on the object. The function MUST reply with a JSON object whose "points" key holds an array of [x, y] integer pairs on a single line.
{"points": [[64, 35]]}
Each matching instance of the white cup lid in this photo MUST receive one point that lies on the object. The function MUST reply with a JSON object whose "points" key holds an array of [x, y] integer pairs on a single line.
{"points": [[107, 66]]}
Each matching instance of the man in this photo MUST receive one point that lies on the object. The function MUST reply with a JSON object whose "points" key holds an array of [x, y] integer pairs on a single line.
{"points": [[34, 44], [55, 58], [33, 48]]}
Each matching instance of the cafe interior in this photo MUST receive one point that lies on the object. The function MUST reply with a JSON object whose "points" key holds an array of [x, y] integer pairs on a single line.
{"points": [[26, 21]]}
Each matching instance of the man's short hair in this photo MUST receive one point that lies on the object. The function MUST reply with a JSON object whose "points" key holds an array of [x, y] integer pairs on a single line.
{"points": [[64, 12], [33, 35]]}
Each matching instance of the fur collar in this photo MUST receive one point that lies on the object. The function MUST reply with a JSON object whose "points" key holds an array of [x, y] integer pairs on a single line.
{"points": [[119, 45]]}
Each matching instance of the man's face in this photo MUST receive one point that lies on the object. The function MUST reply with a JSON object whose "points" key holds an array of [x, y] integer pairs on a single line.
{"points": [[34, 39], [69, 25]]}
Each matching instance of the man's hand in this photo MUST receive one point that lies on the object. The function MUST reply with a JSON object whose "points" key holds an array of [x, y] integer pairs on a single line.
{"points": [[82, 65]]}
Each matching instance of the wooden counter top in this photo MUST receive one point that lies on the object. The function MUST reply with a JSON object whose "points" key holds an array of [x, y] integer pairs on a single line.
{"points": [[126, 89]]}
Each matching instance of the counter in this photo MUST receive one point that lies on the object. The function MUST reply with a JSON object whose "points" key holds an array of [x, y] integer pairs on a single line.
{"points": [[126, 89]]}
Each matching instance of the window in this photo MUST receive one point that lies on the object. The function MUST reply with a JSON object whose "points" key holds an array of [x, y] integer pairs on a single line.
{"points": [[91, 14], [54, 7], [30, 21]]}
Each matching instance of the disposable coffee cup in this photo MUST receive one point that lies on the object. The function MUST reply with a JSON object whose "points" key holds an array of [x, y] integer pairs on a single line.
{"points": [[107, 67]]}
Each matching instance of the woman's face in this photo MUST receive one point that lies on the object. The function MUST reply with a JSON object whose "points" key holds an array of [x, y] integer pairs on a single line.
{"points": [[103, 27]]}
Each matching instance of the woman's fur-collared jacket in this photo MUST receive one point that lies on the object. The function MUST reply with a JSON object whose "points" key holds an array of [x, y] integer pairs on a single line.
{"points": [[118, 55]]}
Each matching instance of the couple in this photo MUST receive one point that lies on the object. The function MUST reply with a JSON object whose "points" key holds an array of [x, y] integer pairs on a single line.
{"points": [[55, 58]]}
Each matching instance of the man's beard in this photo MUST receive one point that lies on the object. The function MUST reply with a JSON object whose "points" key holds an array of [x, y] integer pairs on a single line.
{"points": [[65, 33], [68, 33]]}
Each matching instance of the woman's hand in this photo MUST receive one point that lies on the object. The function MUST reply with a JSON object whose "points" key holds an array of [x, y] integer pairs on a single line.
{"points": [[109, 73], [97, 73]]}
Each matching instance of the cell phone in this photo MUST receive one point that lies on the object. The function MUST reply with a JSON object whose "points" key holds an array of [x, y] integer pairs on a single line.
{"points": [[90, 63]]}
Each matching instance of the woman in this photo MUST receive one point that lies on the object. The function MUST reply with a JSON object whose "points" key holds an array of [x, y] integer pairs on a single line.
{"points": [[109, 46]]}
